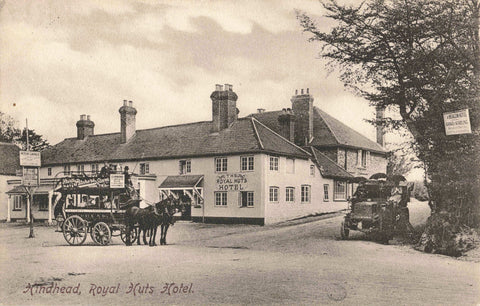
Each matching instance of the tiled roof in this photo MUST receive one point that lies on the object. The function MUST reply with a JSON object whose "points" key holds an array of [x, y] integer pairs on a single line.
{"points": [[327, 131], [274, 143], [179, 181], [177, 141], [328, 167], [330, 131], [42, 189], [9, 158]]}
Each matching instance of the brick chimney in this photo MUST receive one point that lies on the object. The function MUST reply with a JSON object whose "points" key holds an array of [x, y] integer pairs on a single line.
{"points": [[380, 111], [302, 106], [224, 107], [287, 124], [84, 127], [127, 120]]}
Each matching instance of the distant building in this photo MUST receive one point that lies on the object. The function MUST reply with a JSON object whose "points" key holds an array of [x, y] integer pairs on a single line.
{"points": [[235, 170], [10, 163]]}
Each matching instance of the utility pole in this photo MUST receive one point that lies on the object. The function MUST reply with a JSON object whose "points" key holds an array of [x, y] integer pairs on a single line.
{"points": [[30, 189]]}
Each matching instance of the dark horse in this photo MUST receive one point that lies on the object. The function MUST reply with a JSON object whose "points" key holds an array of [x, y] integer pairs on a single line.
{"points": [[166, 208], [134, 215], [150, 218]]}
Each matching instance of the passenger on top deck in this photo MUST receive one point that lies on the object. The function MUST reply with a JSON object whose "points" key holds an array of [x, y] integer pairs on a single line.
{"points": [[105, 171]]}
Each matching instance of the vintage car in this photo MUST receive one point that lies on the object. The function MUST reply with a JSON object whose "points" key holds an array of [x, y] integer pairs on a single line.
{"points": [[379, 209]]}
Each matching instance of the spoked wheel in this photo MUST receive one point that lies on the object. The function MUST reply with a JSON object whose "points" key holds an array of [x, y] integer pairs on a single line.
{"points": [[75, 230], [133, 235], [101, 233], [344, 231]]}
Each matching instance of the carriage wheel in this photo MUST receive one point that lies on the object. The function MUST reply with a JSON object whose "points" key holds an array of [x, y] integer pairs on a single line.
{"points": [[101, 233], [75, 230], [344, 231], [133, 235]]}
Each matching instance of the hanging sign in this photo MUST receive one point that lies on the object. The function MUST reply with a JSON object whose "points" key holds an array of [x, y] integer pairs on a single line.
{"points": [[117, 181], [30, 177], [457, 122], [30, 159]]}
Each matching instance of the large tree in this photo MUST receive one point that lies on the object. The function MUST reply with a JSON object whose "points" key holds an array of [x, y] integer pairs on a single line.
{"points": [[421, 59], [10, 133]]}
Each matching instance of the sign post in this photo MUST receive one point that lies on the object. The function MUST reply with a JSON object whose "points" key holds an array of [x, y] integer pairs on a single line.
{"points": [[30, 162]]}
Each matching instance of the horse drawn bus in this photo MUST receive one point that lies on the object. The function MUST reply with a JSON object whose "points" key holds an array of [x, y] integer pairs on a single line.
{"points": [[94, 203]]}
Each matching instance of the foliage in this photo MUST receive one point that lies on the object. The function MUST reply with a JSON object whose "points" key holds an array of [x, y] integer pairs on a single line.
{"points": [[420, 59], [401, 159], [36, 141], [10, 133], [420, 191]]}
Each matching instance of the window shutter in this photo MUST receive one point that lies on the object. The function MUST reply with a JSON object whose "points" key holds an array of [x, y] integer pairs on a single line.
{"points": [[359, 157], [368, 159]]}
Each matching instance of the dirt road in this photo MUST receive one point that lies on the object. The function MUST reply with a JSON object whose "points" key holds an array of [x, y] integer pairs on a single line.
{"points": [[300, 262]]}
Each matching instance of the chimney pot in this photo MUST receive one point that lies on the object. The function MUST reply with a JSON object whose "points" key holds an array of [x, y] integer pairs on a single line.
{"points": [[296, 91], [127, 121], [379, 129], [302, 110], [218, 87], [224, 107], [260, 110], [308, 90], [85, 127]]}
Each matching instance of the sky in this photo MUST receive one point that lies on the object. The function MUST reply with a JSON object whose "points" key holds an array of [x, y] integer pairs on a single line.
{"points": [[61, 59]]}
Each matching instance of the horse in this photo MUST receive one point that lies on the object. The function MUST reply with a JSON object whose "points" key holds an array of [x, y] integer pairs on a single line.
{"points": [[142, 216], [146, 220], [166, 210]]}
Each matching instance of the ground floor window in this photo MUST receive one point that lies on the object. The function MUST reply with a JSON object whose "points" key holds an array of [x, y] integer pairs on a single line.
{"points": [[326, 198], [17, 202], [220, 199], [290, 194], [273, 194], [340, 191], [305, 196], [42, 202], [246, 199]]}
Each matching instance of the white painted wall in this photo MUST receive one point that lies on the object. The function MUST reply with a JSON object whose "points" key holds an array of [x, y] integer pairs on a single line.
{"points": [[206, 166], [283, 210], [4, 187]]}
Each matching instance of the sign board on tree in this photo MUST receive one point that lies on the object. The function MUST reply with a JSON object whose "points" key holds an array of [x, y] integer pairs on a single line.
{"points": [[30, 177], [457, 122], [30, 159], [117, 181]]}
